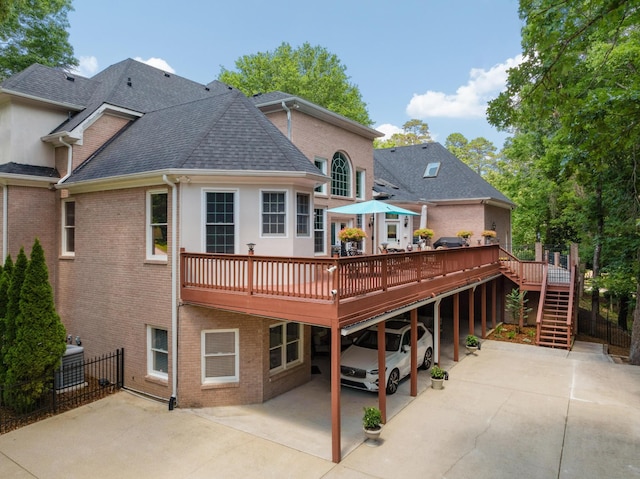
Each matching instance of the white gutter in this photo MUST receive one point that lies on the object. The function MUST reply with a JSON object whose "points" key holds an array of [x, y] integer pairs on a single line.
{"points": [[5, 220], [174, 296], [284, 105], [69, 160]]}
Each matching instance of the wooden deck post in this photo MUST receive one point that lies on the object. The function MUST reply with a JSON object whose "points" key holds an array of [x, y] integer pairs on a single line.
{"points": [[456, 326], [493, 304], [483, 301], [336, 452], [382, 361], [414, 348], [472, 312]]}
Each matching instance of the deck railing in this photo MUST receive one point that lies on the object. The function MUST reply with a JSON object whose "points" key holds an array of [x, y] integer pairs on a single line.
{"points": [[326, 278]]}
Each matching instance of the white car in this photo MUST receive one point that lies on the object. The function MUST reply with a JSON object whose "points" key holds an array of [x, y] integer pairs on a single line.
{"points": [[359, 362]]}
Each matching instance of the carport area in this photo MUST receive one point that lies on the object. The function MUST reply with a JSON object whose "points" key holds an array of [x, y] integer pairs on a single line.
{"points": [[302, 418]]}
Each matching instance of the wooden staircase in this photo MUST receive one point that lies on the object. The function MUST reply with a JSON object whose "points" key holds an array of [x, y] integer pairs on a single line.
{"points": [[554, 328], [556, 317]]}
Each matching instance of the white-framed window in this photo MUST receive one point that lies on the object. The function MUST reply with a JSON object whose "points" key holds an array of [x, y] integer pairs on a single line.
{"points": [[220, 356], [285, 346], [321, 164], [303, 214], [360, 184], [157, 224], [157, 352], [220, 228], [340, 175], [68, 227], [274, 213], [319, 230]]}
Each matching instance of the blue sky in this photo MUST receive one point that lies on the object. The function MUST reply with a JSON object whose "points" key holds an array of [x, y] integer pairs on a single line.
{"points": [[436, 60]]}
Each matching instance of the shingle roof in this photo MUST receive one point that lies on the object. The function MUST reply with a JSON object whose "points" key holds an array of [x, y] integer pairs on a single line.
{"points": [[139, 87], [12, 168], [52, 84], [185, 125], [223, 132], [404, 167]]}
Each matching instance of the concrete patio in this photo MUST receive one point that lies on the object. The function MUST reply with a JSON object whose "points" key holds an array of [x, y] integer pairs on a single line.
{"points": [[507, 411]]}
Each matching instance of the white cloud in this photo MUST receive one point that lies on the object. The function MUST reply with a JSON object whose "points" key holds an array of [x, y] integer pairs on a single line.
{"points": [[87, 67], [388, 129], [158, 63], [470, 100]]}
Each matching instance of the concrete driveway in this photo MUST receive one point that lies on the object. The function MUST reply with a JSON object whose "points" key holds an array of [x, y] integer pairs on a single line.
{"points": [[507, 411]]}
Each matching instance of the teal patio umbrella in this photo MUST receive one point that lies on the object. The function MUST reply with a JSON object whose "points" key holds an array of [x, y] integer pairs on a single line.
{"points": [[371, 207]]}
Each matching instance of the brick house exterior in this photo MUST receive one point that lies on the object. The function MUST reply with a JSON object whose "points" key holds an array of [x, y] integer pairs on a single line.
{"points": [[117, 173], [95, 150]]}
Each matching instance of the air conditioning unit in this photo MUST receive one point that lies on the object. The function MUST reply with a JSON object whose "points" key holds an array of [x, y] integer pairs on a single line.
{"points": [[71, 372]]}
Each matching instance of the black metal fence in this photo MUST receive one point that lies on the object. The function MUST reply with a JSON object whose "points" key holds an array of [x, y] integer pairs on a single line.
{"points": [[604, 329], [75, 383]]}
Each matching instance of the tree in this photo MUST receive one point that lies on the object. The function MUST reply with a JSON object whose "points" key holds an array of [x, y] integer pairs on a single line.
{"points": [[577, 90], [40, 335], [34, 31], [13, 306], [5, 279], [516, 305], [479, 153], [414, 132], [310, 72]]}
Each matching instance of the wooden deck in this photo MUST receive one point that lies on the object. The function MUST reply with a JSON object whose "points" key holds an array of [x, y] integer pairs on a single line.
{"points": [[330, 291]]}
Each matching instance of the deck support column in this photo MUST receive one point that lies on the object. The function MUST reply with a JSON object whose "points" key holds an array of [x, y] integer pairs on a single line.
{"points": [[472, 312], [414, 348], [456, 326], [382, 360], [493, 304], [436, 332], [483, 301], [336, 448]]}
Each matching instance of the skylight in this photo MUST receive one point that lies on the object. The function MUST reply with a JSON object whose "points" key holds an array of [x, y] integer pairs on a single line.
{"points": [[432, 170]]}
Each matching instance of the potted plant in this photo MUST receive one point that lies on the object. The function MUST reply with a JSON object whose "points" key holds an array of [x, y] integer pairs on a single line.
{"points": [[465, 235], [472, 343], [424, 233], [438, 375], [352, 234], [372, 422], [488, 235]]}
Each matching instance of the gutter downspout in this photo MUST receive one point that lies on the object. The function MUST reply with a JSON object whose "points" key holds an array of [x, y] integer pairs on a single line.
{"points": [[5, 220], [174, 296], [69, 160], [284, 105]]}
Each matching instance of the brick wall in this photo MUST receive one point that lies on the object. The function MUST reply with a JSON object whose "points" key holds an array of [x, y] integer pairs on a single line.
{"points": [[32, 213], [108, 293], [96, 135], [255, 384]]}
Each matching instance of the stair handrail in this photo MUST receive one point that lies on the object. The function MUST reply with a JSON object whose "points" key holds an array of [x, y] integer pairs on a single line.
{"points": [[543, 293], [512, 257], [572, 289]]}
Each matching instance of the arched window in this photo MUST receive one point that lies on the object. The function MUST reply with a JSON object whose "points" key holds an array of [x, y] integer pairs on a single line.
{"points": [[340, 175]]}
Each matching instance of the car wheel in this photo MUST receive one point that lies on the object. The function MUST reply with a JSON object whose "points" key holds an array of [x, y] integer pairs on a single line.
{"points": [[392, 384], [428, 359]]}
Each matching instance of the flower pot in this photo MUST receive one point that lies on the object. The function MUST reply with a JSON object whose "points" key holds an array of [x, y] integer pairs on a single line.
{"points": [[437, 383], [372, 434], [472, 349]]}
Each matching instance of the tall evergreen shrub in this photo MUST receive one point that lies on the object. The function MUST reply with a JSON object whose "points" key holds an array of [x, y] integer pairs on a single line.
{"points": [[5, 279], [40, 336]]}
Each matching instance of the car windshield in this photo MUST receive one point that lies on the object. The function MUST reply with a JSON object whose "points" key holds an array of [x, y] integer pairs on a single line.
{"points": [[369, 339]]}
